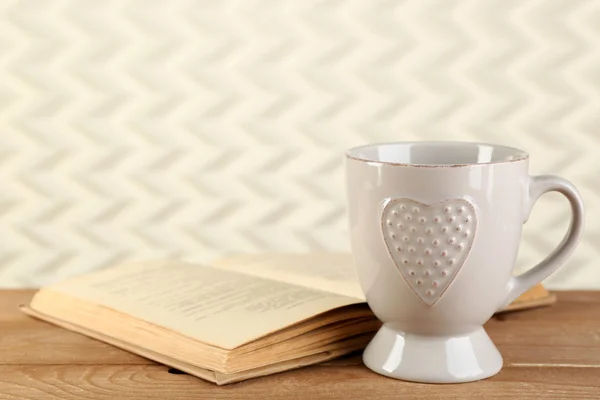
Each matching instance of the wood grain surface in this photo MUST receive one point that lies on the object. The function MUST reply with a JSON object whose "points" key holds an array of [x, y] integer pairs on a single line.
{"points": [[549, 353]]}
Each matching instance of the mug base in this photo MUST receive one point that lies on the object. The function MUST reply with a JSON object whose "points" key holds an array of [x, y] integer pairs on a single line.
{"points": [[433, 359]]}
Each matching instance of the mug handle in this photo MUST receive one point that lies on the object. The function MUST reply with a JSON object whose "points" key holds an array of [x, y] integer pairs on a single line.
{"points": [[538, 185]]}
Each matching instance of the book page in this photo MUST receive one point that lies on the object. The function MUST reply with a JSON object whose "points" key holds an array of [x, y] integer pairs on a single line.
{"points": [[222, 308], [331, 272], [342, 347]]}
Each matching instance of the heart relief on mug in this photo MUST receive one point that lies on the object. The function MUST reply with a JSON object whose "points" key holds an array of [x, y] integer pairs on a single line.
{"points": [[435, 230], [429, 243]]}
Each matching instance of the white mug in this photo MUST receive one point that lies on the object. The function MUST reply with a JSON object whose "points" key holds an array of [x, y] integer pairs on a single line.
{"points": [[435, 228]]}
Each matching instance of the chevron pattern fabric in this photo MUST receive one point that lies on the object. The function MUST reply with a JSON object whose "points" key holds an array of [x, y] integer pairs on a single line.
{"points": [[195, 129]]}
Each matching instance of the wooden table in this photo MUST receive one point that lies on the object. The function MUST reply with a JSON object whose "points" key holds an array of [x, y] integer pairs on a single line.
{"points": [[550, 353]]}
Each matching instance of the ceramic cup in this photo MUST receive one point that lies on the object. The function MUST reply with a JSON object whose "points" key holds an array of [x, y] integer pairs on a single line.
{"points": [[435, 228]]}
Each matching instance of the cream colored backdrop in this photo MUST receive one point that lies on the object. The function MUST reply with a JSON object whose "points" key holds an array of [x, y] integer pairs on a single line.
{"points": [[194, 129]]}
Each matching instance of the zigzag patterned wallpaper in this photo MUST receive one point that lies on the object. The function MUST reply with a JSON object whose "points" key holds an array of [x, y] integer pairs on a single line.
{"points": [[194, 129]]}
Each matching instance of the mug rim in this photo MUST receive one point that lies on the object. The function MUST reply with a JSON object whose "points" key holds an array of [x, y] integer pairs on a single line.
{"points": [[351, 153]]}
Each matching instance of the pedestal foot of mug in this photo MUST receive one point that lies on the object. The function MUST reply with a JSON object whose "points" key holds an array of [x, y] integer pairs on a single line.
{"points": [[433, 359]]}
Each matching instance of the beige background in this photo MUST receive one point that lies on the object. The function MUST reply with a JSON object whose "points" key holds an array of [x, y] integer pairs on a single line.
{"points": [[195, 129]]}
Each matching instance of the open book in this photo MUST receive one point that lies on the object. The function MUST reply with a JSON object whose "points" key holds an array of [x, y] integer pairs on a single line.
{"points": [[239, 318]]}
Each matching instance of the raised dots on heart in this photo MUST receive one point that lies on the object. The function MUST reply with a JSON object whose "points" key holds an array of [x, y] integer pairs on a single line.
{"points": [[435, 236]]}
